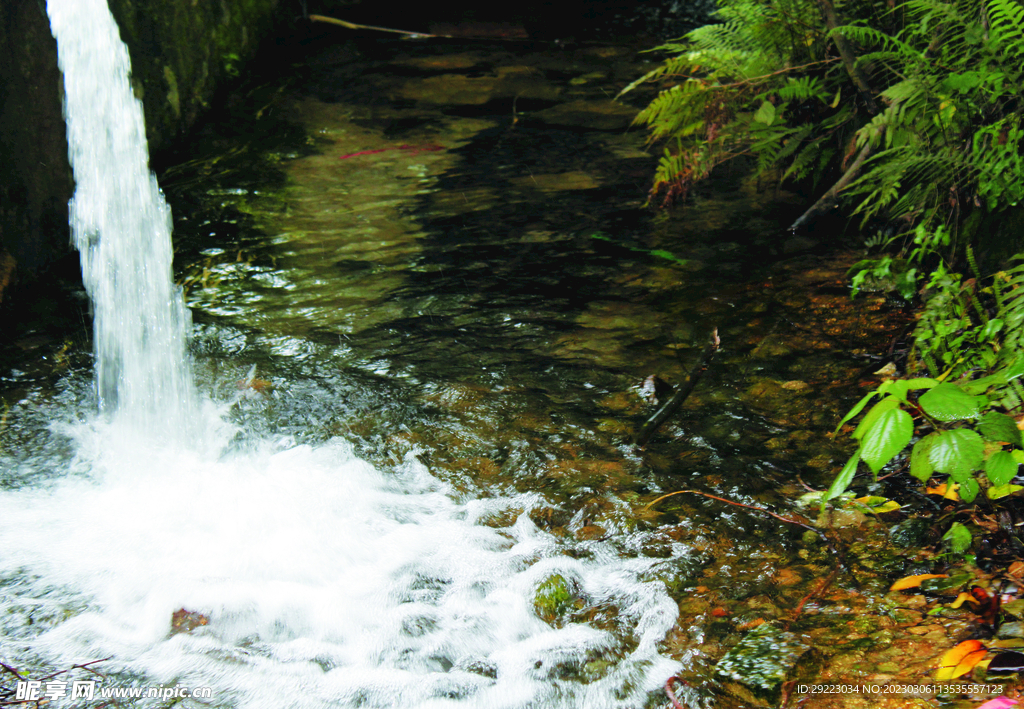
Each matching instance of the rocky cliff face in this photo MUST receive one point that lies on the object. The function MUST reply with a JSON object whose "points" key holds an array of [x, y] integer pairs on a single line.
{"points": [[181, 50]]}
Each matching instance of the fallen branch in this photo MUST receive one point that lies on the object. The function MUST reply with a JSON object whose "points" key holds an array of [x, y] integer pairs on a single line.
{"points": [[828, 10], [789, 520], [354, 26], [831, 198], [682, 391]]}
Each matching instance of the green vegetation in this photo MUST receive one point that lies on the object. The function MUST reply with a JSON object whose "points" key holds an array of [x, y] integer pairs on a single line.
{"points": [[907, 114]]}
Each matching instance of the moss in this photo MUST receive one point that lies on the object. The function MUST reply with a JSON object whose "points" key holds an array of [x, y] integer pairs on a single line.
{"points": [[555, 598], [182, 50]]}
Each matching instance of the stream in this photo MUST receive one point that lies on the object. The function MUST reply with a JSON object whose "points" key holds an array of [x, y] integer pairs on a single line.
{"points": [[425, 295]]}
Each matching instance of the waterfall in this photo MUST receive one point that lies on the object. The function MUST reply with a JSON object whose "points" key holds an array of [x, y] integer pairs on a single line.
{"points": [[121, 226]]}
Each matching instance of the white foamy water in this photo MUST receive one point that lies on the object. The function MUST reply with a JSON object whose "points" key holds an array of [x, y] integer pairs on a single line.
{"points": [[326, 582], [121, 226]]}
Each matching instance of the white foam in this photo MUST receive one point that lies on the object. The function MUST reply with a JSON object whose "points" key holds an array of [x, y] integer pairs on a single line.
{"points": [[326, 582]]}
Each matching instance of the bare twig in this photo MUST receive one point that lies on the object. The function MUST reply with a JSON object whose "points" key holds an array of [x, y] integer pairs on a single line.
{"points": [[354, 26], [789, 520], [846, 52], [681, 393], [831, 198], [671, 694]]}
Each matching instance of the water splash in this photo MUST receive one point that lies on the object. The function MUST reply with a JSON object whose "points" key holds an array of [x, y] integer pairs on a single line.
{"points": [[121, 226]]}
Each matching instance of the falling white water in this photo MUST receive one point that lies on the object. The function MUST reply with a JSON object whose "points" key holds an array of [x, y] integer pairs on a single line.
{"points": [[326, 582], [121, 226]]}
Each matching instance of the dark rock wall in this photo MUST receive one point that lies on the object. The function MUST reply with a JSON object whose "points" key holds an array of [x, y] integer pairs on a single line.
{"points": [[35, 180], [181, 51]]}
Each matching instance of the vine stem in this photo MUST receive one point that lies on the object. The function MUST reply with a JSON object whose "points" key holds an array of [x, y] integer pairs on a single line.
{"points": [[671, 694], [805, 524]]}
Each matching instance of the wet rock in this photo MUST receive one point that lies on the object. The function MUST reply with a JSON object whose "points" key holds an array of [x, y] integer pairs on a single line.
{"points": [[763, 659], [555, 598], [185, 621], [458, 90], [589, 115], [447, 62], [559, 181]]}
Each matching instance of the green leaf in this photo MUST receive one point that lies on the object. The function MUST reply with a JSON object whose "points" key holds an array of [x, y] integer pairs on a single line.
{"points": [[857, 408], [843, 480], [958, 453], [886, 404], [969, 489], [1000, 468], [900, 387], [920, 465], [959, 538], [995, 426], [888, 436], [997, 491], [947, 402], [765, 114]]}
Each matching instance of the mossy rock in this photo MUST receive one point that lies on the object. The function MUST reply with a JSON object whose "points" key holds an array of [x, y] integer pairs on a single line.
{"points": [[555, 598], [763, 659]]}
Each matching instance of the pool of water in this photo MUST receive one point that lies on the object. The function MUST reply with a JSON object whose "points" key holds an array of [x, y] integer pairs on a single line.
{"points": [[426, 294]]}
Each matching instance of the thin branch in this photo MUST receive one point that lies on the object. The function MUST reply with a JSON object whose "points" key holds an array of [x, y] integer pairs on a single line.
{"points": [[789, 520], [831, 198], [681, 393], [752, 79], [671, 693], [846, 52], [353, 26]]}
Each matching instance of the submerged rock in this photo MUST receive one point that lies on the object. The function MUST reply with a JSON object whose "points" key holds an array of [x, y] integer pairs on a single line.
{"points": [[589, 115], [764, 658]]}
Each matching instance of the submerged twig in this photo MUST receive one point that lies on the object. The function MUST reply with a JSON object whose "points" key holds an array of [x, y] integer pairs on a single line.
{"points": [[354, 26], [789, 520], [683, 391], [671, 694]]}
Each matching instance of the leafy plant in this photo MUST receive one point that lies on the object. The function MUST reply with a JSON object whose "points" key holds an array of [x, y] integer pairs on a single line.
{"points": [[931, 108], [970, 441]]}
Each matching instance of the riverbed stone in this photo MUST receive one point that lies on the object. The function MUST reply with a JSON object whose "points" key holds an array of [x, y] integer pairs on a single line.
{"points": [[589, 115]]}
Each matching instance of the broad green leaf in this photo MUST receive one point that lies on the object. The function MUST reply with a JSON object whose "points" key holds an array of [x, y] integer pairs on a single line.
{"points": [[995, 426], [857, 408], [843, 480], [866, 424], [959, 538], [991, 329], [969, 489], [1000, 468], [920, 464], [900, 387], [958, 453], [1018, 455], [997, 491], [980, 386], [765, 114], [888, 436], [948, 402]]}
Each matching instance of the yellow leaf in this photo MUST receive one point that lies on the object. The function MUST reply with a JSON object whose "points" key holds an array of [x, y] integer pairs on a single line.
{"points": [[915, 581], [878, 505], [947, 492], [961, 599], [960, 660]]}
